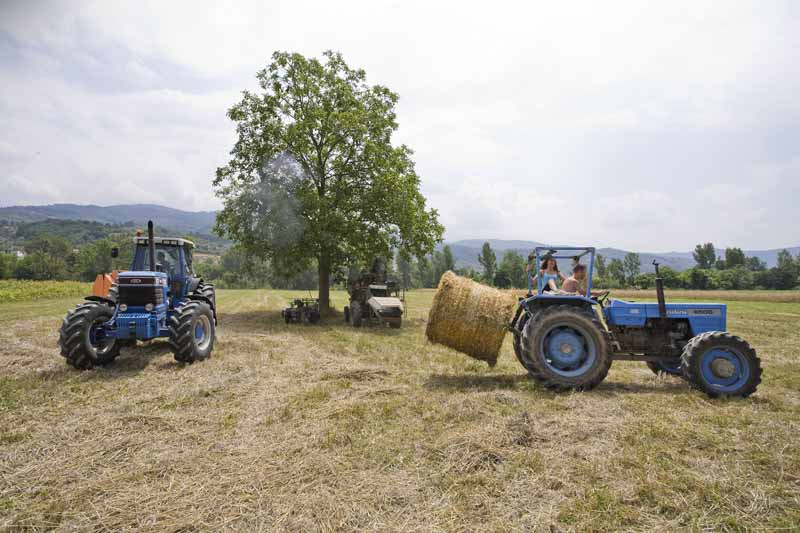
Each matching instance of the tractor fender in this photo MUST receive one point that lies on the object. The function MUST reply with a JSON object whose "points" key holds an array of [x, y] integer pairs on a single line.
{"points": [[193, 284], [199, 298], [102, 300], [538, 302]]}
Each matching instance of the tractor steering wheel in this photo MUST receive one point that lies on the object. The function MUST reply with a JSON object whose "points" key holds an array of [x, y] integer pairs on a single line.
{"points": [[602, 297]]}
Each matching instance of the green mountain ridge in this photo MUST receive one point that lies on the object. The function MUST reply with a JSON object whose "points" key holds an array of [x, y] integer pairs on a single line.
{"points": [[200, 223]]}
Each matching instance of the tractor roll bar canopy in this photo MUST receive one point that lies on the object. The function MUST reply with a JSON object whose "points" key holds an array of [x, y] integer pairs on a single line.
{"points": [[164, 241], [560, 252]]}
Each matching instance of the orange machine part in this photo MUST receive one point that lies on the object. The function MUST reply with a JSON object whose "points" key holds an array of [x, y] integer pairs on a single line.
{"points": [[102, 283]]}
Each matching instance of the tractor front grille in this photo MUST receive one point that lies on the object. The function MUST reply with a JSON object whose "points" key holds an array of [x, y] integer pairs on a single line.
{"points": [[140, 295]]}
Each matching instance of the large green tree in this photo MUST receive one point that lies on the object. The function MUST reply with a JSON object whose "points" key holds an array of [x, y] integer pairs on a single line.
{"points": [[512, 268], [631, 265], [488, 260], [314, 178], [616, 270], [600, 266], [734, 257], [705, 255]]}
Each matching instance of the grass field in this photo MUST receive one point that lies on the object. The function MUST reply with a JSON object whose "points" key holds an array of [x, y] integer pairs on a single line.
{"points": [[20, 290], [304, 428]]}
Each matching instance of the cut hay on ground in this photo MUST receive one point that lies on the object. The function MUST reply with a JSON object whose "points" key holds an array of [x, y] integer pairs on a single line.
{"points": [[470, 317]]}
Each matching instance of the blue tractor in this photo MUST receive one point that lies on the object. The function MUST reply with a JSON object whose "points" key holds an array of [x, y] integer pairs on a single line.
{"points": [[568, 340], [158, 297]]}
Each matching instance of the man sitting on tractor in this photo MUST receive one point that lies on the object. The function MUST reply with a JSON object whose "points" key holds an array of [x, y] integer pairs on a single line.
{"points": [[576, 283]]}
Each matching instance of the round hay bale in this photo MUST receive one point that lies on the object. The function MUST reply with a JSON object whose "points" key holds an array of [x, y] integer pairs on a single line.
{"points": [[470, 317]]}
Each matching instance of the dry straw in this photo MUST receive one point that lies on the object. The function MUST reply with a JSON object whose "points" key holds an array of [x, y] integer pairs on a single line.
{"points": [[470, 317]]}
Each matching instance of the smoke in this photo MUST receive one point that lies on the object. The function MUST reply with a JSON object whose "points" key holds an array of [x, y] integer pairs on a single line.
{"points": [[277, 216]]}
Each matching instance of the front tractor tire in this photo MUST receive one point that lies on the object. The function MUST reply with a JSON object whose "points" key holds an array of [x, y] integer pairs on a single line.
{"points": [[517, 341], [721, 364], [192, 332], [113, 292], [564, 348], [81, 337]]}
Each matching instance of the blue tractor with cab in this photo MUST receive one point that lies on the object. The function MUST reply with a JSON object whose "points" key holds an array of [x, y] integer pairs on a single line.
{"points": [[159, 297], [569, 340]]}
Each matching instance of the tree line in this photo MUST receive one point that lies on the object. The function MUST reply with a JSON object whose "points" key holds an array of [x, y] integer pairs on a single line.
{"points": [[53, 257], [732, 271]]}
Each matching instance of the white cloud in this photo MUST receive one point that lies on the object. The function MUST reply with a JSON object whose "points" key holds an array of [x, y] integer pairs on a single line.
{"points": [[640, 125]]}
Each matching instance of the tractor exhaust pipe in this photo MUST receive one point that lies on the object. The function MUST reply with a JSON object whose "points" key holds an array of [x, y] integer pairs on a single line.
{"points": [[151, 244], [662, 303]]}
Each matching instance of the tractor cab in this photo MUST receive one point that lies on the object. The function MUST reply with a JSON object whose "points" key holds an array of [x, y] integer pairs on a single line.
{"points": [[173, 257], [539, 294], [385, 289]]}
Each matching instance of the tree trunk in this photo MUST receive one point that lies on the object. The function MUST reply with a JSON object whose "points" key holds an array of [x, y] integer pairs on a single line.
{"points": [[324, 285]]}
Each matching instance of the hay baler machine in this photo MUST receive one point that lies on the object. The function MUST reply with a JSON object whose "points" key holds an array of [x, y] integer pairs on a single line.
{"points": [[374, 300], [568, 341], [304, 310], [159, 297]]}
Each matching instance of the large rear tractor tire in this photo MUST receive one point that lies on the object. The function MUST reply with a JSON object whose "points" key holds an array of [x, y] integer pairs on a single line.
{"points": [[355, 314], [207, 290], [81, 337], [192, 332], [565, 347], [721, 364]]}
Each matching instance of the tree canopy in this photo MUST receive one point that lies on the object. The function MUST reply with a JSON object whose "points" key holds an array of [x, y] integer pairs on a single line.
{"points": [[313, 177], [631, 265], [488, 261], [705, 255]]}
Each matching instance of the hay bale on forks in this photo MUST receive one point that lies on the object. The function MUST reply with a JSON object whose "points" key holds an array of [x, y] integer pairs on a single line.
{"points": [[470, 317]]}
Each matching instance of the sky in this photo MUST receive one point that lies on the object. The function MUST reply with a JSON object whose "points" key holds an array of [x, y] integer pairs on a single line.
{"points": [[649, 126]]}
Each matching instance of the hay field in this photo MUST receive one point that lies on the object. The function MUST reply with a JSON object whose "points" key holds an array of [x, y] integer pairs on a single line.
{"points": [[327, 428]]}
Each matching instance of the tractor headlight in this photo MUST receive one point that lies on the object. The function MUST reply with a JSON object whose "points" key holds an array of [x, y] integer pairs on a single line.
{"points": [[148, 307], [123, 307]]}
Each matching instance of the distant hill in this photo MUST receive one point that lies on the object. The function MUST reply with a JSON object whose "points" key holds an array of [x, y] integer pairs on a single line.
{"points": [[199, 222], [466, 253], [15, 235]]}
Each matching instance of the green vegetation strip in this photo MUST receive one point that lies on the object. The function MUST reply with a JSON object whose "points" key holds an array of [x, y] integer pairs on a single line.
{"points": [[14, 290]]}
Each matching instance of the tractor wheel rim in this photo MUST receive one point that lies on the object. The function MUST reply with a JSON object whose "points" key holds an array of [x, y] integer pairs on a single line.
{"points": [[202, 332], [97, 339], [568, 350], [724, 369]]}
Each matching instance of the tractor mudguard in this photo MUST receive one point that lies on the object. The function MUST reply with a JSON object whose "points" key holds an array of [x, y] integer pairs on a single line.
{"points": [[199, 298], [540, 301], [101, 300], [193, 284]]}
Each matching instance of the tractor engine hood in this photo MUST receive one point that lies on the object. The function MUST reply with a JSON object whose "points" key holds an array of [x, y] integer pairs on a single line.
{"points": [[383, 304], [142, 277]]}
